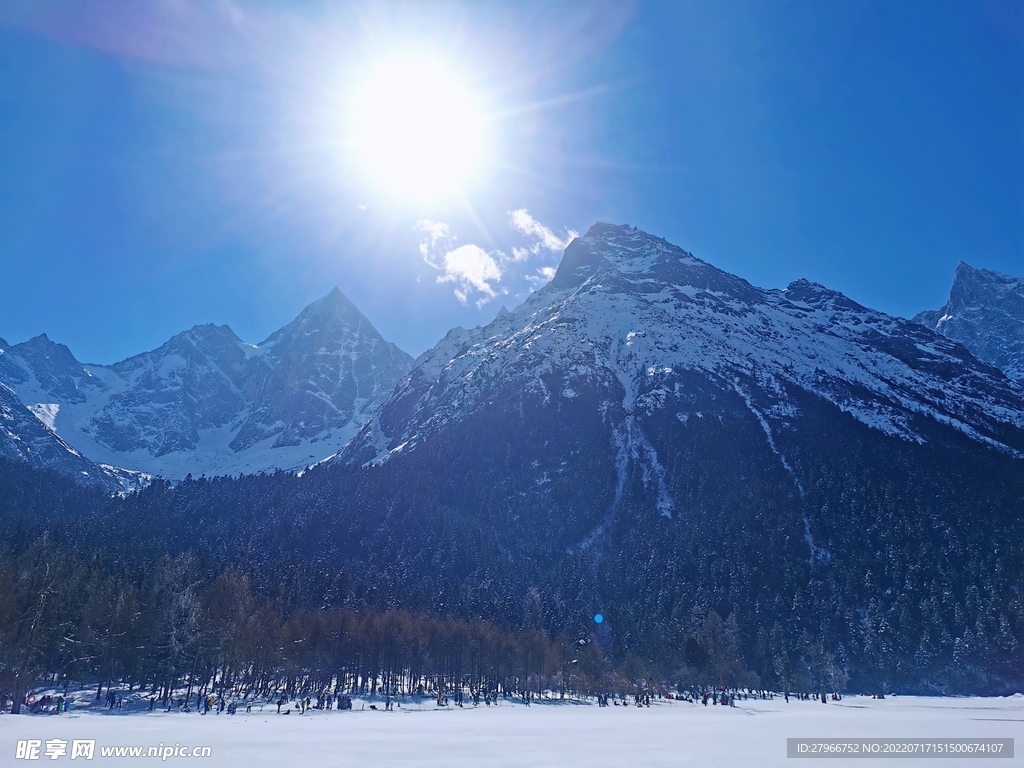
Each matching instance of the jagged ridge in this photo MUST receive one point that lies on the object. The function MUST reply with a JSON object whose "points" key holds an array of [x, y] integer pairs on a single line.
{"points": [[205, 402]]}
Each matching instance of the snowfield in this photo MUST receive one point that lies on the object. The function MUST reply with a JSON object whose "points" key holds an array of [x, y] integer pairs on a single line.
{"points": [[418, 734]]}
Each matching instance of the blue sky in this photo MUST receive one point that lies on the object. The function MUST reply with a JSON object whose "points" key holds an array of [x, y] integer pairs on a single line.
{"points": [[169, 163]]}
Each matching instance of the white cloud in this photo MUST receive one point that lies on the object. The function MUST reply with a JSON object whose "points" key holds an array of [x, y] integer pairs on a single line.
{"points": [[476, 272], [544, 275], [521, 221], [469, 267]]}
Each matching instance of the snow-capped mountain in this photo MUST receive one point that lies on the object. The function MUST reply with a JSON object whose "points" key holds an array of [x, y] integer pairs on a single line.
{"points": [[985, 313], [208, 403], [634, 318]]}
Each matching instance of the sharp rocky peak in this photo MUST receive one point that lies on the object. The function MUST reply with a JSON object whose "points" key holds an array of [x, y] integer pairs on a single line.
{"points": [[43, 344], [52, 363], [973, 286], [334, 303], [985, 313], [611, 248], [331, 314], [634, 259], [627, 258]]}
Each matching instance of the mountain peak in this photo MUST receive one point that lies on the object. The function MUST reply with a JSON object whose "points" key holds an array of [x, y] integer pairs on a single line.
{"points": [[38, 342], [328, 314], [965, 271], [973, 286], [206, 329], [203, 334], [614, 248], [207, 402], [629, 259], [624, 235], [336, 296], [985, 313], [44, 345], [334, 303], [605, 229]]}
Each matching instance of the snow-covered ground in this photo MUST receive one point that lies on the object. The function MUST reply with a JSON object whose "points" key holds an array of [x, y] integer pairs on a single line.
{"points": [[555, 734]]}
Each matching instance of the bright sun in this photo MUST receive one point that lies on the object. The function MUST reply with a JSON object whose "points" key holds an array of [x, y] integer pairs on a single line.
{"points": [[416, 129]]}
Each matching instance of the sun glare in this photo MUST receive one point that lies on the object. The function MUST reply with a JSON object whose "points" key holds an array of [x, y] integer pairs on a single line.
{"points": [[416, 129]]}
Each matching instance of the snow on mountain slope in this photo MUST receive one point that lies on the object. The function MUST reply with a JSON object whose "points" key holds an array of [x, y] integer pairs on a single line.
{"points": [[191, 383], [26, 438], [323, 372], [206, 402], [631, 313], [985, 313]]}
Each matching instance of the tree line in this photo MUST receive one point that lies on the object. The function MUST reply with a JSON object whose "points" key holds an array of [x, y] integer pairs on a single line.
{"points": [[174, 629]]}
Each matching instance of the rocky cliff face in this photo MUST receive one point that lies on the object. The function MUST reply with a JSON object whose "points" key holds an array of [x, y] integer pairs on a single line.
{"points": [[985, 313]]}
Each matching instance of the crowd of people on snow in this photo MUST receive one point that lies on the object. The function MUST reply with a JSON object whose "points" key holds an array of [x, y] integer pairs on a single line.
{"points": [[324, 701], [48, 704], [287, 703]]}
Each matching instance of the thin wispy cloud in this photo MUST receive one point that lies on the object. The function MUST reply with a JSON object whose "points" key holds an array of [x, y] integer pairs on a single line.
{"points": [[541, 277], [435, 237], [544, 238]]}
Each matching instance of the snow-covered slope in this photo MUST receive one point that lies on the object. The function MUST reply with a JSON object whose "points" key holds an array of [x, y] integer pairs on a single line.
{"points": [[24, 437], [206, 402], [985, 313], [634, 321]]}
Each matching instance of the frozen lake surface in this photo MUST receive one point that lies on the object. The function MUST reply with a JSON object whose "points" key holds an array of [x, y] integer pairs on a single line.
{"points": [[668, 733]]}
